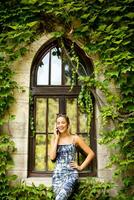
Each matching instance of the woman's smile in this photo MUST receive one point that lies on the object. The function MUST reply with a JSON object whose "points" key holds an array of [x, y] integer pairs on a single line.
{"points": [[61, 124], [62, 128]]}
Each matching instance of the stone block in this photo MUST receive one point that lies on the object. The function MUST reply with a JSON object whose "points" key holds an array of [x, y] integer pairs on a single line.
{"points": [[22, 95], [22, 78], [22, 174], [20, 110], [106, 174], [21, 145], [102, 161], [18, 129], [20, 162]]}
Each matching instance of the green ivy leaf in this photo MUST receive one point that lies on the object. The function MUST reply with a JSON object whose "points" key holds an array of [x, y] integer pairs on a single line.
{"points": [[85, 16], [92, 19], [130, 15], [85, 28], [31, 24], [102, 27], [113, 8], [28, 1], [108, 28]]}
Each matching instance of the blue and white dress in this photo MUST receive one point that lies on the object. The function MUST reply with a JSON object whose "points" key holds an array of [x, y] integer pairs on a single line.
{"points": [[64, 176]]}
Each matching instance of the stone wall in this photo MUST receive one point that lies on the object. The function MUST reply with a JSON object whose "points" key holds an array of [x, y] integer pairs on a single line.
{"points": [[19, 126]]}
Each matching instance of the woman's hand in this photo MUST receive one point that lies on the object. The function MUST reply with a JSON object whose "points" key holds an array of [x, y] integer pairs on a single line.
{"points": [[74, 165], [54, 143], [56, 133]]}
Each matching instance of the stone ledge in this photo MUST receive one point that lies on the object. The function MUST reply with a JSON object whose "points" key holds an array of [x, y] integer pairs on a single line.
{"points": [[37, 181]]}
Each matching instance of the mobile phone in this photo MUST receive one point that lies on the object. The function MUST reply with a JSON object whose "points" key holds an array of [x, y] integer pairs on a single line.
{"points": [[57, 131]]}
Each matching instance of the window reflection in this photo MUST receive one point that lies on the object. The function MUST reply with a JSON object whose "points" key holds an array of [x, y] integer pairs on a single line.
{"points": [[81, 70], [56, 67], [72, 113], [68, 74], [68, 71], [53, 107], [50, 163], [40, 152], [40, 114], [43, 71]]}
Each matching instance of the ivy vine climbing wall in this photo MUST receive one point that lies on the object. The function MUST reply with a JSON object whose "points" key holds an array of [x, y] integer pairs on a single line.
{"points": [[104, 29]]}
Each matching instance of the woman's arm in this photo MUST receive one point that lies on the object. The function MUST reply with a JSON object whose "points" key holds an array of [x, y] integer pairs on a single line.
{"points": [[90, 154]]}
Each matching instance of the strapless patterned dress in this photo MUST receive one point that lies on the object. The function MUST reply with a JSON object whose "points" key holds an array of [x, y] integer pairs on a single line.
{"points": [[64, 176]]}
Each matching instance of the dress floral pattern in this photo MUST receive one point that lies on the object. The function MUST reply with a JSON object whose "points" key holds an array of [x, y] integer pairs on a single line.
{"points": [[64, 176]]}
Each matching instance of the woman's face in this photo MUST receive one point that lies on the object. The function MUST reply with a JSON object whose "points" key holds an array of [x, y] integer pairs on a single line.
{"points": [[62, 124]]}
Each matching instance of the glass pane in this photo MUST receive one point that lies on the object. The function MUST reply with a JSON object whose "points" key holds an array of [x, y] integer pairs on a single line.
{"points": [[68, 74], [40, 152], [83, 126], [70, 65], [55, 67], [81, 70], [40, 115], [53, 109], [72, 114], [50, 163], [43, 71]]}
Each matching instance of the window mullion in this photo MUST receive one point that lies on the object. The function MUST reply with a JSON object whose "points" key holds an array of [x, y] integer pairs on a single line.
{"points": [[50, 68], [47, 113], [62, 104], [34, 137], [62, 69]]}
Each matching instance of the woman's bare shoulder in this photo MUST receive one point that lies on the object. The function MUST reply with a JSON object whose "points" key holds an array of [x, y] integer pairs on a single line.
{"points": [[76, 138]]}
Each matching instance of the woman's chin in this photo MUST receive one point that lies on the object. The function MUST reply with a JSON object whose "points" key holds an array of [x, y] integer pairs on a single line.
{"points": [[62, 131]]}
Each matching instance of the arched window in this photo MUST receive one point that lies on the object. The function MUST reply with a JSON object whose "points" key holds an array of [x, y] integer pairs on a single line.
{"points": [[50, 93]]}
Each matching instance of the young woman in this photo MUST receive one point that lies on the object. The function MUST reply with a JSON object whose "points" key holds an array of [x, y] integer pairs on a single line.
{"points": [[63, 150]]}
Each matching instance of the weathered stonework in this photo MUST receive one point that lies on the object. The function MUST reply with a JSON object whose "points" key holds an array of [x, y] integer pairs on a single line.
{"points": [[19, 127]]}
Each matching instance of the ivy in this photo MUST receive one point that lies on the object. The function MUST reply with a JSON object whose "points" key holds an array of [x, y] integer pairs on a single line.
{"points": [[31, 118], [92, 189], [85, 103], [104, 28], [23, 192], [7, 147]]}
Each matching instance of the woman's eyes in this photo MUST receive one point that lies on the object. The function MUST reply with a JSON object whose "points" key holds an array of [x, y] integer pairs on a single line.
{"points": [[61, 123]]}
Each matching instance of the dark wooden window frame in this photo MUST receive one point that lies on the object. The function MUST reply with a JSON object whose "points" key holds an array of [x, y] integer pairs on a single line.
{"points": [[52, 91]]}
